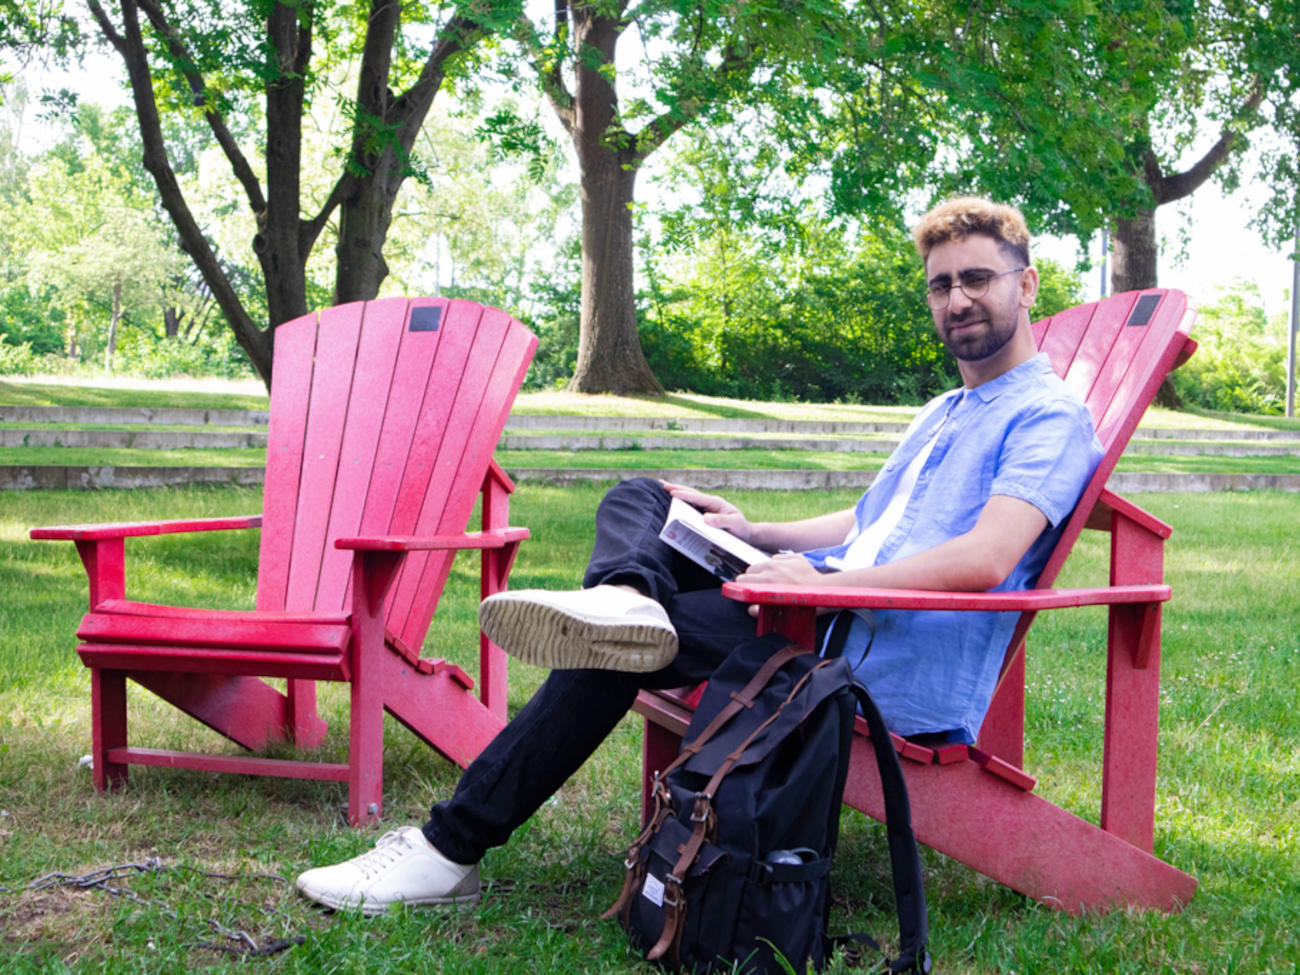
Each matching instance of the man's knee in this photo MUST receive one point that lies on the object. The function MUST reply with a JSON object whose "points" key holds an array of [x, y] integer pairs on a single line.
{"points": [[636, 487], [635, 497]]}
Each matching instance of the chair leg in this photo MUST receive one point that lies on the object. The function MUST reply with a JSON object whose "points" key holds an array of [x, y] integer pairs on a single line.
{"points": [[305, 727], [659, 747], [366, 750], [108, 726]]}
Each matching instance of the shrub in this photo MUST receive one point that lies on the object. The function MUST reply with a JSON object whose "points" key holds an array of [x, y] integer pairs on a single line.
{"points": [[1240, 366], [17, 360], [142, 354], [844, 323]]}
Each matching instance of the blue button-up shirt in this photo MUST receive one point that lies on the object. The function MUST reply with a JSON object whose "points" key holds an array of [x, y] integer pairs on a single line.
{"points": [[1024, 434]]}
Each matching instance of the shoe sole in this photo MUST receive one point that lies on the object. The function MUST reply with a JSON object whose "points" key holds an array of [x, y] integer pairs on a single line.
{"points": [[547, 636], [374, 910]]}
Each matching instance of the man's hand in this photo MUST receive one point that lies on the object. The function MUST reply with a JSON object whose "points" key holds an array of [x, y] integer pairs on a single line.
{"points": [[718, 512], [783, 569]]}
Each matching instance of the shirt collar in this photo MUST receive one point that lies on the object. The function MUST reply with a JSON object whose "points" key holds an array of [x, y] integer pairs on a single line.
{"points": [[1036, 366]]}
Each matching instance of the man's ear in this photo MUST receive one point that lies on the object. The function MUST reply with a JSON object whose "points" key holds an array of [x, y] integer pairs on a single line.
{"points": [[1028, 287]]}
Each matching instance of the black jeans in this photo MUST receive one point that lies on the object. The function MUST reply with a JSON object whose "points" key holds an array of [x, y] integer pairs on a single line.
{"points": [[575, 710]]}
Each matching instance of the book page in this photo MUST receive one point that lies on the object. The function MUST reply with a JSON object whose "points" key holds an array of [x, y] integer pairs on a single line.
{"points": [[716, 549]]}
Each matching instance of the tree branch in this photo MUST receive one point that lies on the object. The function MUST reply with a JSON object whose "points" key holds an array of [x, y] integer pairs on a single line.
{"points": [[405, 113], [737, 60], [130, 45], [181, 58], [1166, 189], [550, 77], [108, 28], [411, 106]]}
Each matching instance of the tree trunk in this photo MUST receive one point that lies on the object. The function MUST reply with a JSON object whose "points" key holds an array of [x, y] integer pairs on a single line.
{"points": [[277, 244], [114, 317], [1134, 267], [1136, 251], [385, 129], [130, 44], [1134, 262], [610, 359], [364, 194]]}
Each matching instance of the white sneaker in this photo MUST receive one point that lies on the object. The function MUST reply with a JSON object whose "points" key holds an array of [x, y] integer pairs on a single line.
{"points": [[604, 627], [402, 868]]}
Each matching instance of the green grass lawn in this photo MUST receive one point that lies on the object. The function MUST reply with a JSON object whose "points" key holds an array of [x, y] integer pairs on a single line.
{"points": [[1228, 807], [15, 391], [20, 392]]}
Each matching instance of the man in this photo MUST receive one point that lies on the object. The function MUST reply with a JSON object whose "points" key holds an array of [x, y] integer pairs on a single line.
{"points": [[972, 499]]}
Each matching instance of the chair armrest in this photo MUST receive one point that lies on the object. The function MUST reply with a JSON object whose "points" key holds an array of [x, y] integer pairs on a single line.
{"points": [[136, 529], [102, 547], [844, 597], [491, 538]]}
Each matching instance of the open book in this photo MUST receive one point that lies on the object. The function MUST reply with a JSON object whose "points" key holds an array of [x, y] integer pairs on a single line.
{"points": [[719, 551]]}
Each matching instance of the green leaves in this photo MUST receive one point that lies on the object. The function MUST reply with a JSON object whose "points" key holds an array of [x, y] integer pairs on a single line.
{"points": [[509, 135]]}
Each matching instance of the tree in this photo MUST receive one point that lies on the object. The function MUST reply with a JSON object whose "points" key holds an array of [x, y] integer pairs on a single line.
{"points": [[694, 63], [1097, 114], [214, 62], [85, 235], [482, 227], [31, 33]]}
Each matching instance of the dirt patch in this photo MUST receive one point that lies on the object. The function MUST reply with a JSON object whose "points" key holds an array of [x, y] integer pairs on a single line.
{"points": [[69, 923]]}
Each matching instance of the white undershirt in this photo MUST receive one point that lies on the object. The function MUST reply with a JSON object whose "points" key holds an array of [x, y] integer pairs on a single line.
{"points": [[864, 549]]}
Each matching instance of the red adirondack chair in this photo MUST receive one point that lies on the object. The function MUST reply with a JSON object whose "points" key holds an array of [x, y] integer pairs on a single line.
{"points": [[383, 419], [976, 803]]}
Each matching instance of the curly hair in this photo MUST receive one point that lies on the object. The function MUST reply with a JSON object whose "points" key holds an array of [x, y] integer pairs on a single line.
{"points": [[961, 216]]}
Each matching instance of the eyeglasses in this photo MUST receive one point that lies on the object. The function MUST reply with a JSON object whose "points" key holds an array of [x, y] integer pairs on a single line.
{"points": [[974, 284]]}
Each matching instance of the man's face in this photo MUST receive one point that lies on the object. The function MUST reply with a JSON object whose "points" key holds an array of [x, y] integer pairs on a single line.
{"points": [[975, 328]]}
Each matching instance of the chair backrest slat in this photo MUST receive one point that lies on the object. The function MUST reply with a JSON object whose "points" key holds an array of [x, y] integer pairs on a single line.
{"points": [[1096, 337], [503, 349], [291, 394], [373, 392], [1115, 353], [387, 421], [332, 398], [1127, 344], [431, 497], [1060, 335]]}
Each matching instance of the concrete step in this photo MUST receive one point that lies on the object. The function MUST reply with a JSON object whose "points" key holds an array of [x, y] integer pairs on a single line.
{"points": [[219, 439], [130, 439], [116, 416], [544, 441], [559, 441], [75, 478], [105, 416]]}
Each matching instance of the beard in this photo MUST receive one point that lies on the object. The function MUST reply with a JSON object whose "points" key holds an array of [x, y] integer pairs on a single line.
{"points": [[978, 332]]}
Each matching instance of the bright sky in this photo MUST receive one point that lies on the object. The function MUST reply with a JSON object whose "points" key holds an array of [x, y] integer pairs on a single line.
{"points": [[1220, 250]]}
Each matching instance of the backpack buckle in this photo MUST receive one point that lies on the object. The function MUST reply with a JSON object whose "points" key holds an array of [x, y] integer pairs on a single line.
{"points": [[672, 891], [702, 808]]}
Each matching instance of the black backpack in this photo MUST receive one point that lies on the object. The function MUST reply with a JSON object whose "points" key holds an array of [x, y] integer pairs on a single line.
{"points": [[731, 871]]}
